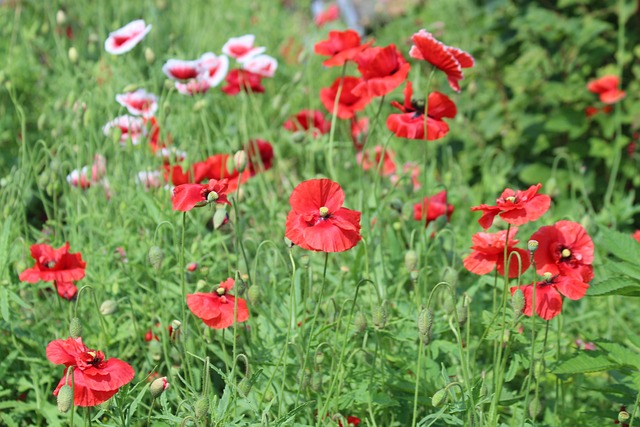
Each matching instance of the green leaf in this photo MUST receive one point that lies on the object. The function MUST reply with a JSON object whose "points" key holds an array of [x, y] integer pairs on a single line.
{"points": [[620, 354], [624, 269], [621, 245], [592, 361], [617, 285]]}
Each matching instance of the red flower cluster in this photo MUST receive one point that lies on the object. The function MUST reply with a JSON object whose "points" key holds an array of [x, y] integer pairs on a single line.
{"points": [[341, 46], [94, 379], [607, 88], [488, 253], [317, 220], [348, 103], [57, 266], [515, 207], [188, 196], [216, 309]]}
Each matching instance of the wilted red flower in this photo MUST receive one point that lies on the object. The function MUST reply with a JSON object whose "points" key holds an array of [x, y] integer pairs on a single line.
{"points": [[432, 208], [564, 248], [450, 60], [317, 220], [239, 79], [388, 162], [607, 88], [488, 253], [241, 48], [515, 207], [126, 38], [216, 309], [330, 14], [348, 103], [94, 379], [411, 124], [308, 120], [188, 196], [383, 69], [636, 235], [341, 46], [54, 264], [139, 103], [549, 294]]}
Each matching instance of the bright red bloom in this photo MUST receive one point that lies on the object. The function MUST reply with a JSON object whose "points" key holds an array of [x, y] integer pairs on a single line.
{"points": [[54, 265], [515, 207], [434, 206], [359, 132], [564, 248], [216, 309], [239, 79], [636, 235], [383, 69], [66, 290], [330, 14], [126, 38], [549, 295], [217, 168], [388, 162], [317, 220], [198, 172], [448, 59], [348, 103], [261, 160], [341, 46], [607, 88], [94, 379], [308, 120], [488, 253], [411, 124], [188, 196]]}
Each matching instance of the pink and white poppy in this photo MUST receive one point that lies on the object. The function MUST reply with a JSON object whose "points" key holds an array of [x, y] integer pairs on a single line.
{"points": [[263, 65], [193, 86], [150, 179], [139, 103], [85, 177], [241, 48], [171, 155], [80, 178], [177, 69], [126, 38], [130, 127], [213, 68]]}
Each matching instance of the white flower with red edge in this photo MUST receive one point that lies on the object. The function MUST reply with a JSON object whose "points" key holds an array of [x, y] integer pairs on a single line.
{"points": [[130, 127], [263, 65], [213, 68], [126, 38], [139, 103], [177, 69], [242, 48], [150, 179]]}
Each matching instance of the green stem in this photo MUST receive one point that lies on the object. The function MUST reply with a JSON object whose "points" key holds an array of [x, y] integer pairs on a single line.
{"points": [[182, 278], [334, 117]]}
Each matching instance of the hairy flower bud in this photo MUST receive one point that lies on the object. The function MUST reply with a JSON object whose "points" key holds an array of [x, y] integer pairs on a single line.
{"points": [[202, 407], [517, 302], [360, 322], [425, 324], [73, 55], [75, 328], [439, 398], [316, 381], [149, 56], [108, 307], [380, 315], [254, 294], [158, 386], [65, 399], [156, 256], [244, 386], [240, 161], [410, 260]]}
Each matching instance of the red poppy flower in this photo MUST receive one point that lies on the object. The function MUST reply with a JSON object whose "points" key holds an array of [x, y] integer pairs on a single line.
{"points": [[66, 290], [308, 120], [139, 103], [636, 235], [549, 294], [188, 196], [330, 14], [383, 69], [130, 127], [515, 207], [198, 172], [411, 124], [411, 169], [238, 80], [341, 46], [448, 59], [94, 379], [488, 253], [348, 103], [388, 162], [216, 309], [54, 264], [241, 48], [434, 206], [260, 155], [564, 248], [317, 220], [263, 65], [359, 132], [217, 168], [126, 38], [607, 88]]}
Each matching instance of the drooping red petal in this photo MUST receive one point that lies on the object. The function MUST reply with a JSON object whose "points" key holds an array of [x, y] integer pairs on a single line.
{"points": [[571, 287], [66, 290], [612, 96], [64, 352], [479, 263], [440, 105], [294, 229], [186, 197], [488, 214], [83, 395], [111, 374], [227, 314]]}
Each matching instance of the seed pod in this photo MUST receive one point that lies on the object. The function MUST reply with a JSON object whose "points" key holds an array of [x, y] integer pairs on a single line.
{"points": [[244, 386], [623, 417], [462, 315], [410, 260], [439, 398], [360, 322], [156, 256], [158, 386], [254, 294], [220, 217], [532, 245], [316, 381], [425, 324], [240, 161], [108, 307], [202, 407], [64, 399], [380, 316], [75, 328], [518, 302]]}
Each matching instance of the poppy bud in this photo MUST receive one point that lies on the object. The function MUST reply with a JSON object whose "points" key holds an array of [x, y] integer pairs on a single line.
{"points": [[397, 226], [175, 325], [220, 216], [305, 378], [517, 302], [316, 381], [534, 408], [450, 276], [244, 386], [149, 55], [410, 260], [240, 161], [288, 243], [396, 205], [156, 256], [425, 324], [461, 312], [201, 104], [108, 307], [64, 399], [253, 294], [360, 322], [623, 417], [414, 275], [380, 315], [158, 386], [319, 358], [532, 245], [75, 328], [61, 17], [202, 407], [439, 398], [155, 350], [268, 396], [73, 55]]}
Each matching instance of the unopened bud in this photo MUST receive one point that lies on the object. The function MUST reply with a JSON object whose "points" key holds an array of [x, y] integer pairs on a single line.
{"points": [[288, 243], [75, 328], [360, 322], [534, 408], [319, 358], [108, 307], [244, 386], [254, 294], [158, 386], [379, 316], [410, 260], [425, 324], [155, 350], [73, 55], [61, 17], [219, 217], [64, 399], [316, 381], [461, 312], [175, 325], [439, 398], [202, 407], [532, 245], [149, 55], [518, 302], [156, 256], [450, 276], [413, 275], [240, 161]]}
